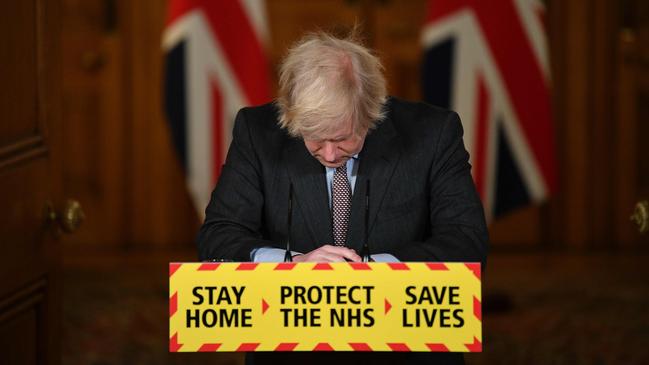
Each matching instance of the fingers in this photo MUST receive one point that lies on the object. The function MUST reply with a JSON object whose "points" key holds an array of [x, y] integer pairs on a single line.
{"points": [[318, 256], [347, 253], [341, 253], [329, 253]]}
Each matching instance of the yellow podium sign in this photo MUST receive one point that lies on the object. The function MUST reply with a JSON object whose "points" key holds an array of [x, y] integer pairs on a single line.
{"points": [[325, 307]]}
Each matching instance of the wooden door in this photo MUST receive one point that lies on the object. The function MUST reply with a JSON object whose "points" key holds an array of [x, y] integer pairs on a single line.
{"points": [[29, 178], [93, 122], [632, 163], [119, 160]]}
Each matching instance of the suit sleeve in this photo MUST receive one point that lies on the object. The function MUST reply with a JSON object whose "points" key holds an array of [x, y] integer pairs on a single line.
{"points": [[457, 225], [233, 218]]}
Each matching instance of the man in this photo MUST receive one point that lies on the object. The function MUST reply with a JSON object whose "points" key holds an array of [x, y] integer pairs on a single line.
{"points": [[331, 131]]}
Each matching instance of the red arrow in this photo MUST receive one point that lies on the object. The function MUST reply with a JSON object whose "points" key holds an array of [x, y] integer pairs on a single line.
{"points": [[264, 306], [388, 306]]}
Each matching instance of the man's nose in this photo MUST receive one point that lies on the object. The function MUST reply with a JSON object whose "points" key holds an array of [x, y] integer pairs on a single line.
{"points": [[329, 151]]}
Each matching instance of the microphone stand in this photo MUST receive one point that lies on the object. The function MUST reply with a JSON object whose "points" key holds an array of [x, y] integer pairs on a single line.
{"points": [[287, 255], [365, 252]]}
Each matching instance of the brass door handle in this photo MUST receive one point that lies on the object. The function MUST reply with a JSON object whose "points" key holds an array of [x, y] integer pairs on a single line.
{"points": [[641, 216], [70, 217]]}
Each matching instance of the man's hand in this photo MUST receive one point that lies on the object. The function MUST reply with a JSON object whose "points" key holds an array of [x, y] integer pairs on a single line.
{"points": [[329, 253]]}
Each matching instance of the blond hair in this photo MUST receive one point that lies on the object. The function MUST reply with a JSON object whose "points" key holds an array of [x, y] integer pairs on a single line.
{"points": [[325, 81]]}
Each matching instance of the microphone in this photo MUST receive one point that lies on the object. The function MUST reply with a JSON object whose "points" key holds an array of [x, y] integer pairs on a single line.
{"points": [[365, 252], [287, 255]]}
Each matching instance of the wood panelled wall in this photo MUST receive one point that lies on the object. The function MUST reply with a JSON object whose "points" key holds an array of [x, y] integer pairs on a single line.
{"points": [[598, 49], [120, 164]]}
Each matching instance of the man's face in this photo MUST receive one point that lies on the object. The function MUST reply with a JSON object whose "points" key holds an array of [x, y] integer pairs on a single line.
{"points": [[335, 149]]}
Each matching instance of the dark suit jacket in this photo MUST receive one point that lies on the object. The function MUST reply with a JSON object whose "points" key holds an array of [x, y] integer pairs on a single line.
{"points": [[423, 204]]}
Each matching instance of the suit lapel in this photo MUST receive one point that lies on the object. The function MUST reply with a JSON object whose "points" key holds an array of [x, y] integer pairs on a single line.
{"points": [[310, 191], [378, 159]]}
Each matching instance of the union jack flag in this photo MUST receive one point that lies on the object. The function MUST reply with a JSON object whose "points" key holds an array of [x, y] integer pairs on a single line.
{"points": [[215, 64], [488, 60]]}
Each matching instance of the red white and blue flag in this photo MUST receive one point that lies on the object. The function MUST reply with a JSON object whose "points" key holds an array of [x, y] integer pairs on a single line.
{"points": [[215, 64], [488, 60]]}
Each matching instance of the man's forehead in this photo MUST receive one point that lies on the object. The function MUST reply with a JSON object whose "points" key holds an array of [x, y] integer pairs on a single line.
{"points": [[341, 131]]}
